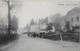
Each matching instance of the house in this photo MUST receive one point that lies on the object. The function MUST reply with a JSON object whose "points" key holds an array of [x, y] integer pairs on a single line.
{"points": [[34, 28], [73, 17]]}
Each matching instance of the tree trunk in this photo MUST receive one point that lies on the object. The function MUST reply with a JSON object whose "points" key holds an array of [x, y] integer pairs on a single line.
{"points": [[9, 18]]}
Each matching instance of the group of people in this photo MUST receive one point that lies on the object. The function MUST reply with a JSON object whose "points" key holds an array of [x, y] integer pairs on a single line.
{"points": [[41, 34]]}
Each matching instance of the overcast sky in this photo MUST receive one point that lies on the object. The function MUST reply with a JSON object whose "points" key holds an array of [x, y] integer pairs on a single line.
{"points": [[39, 9]]}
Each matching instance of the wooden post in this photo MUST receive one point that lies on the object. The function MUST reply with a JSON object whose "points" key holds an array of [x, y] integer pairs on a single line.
{"points": [[61, 36]]}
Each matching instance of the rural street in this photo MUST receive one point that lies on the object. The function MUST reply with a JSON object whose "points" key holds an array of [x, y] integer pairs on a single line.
{"points": [[25, 43]]}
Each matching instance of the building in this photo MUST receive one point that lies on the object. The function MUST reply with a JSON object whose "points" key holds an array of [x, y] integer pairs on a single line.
{"points": [[73, 16], [34, 28]]}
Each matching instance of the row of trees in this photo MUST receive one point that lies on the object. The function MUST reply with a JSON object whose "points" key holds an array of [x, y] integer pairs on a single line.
{"points": [[57, 20], [12, 23], [40, 21], [54, 21], [4, 25]]}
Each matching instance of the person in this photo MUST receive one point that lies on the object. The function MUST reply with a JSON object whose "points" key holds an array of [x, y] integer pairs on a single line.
{"points": [[34, 35], [41, 35]]}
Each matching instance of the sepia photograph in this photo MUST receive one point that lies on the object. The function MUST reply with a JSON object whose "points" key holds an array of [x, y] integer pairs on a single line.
{"points": [[39, 25]]}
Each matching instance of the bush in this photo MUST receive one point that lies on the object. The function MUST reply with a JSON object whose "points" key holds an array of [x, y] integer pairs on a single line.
{"points": [[71, 37], [6, 38]]}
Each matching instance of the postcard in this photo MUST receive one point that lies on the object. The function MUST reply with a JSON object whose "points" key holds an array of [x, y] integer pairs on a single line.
{"points": [[39, 25]]}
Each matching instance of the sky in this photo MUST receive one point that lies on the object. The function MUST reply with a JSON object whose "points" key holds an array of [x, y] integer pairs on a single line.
{"points": [[39, 9]]}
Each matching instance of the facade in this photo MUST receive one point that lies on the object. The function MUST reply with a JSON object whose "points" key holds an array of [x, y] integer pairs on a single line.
{"points": [[73, 17], [34, 28], [38, 28]]}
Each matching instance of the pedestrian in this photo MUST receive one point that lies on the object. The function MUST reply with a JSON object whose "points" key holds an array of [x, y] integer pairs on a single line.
{"points": [[41, 35]]}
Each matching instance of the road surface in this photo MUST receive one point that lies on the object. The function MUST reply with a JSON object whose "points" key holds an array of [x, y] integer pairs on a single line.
{"points": [[25, 43]]}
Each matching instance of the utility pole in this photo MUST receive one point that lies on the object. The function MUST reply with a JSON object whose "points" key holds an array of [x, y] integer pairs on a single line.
{"points": [[9, 17]]}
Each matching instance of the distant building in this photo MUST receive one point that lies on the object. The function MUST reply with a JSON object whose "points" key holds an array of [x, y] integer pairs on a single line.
{"points": [[34, 28], [42, 28]]}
